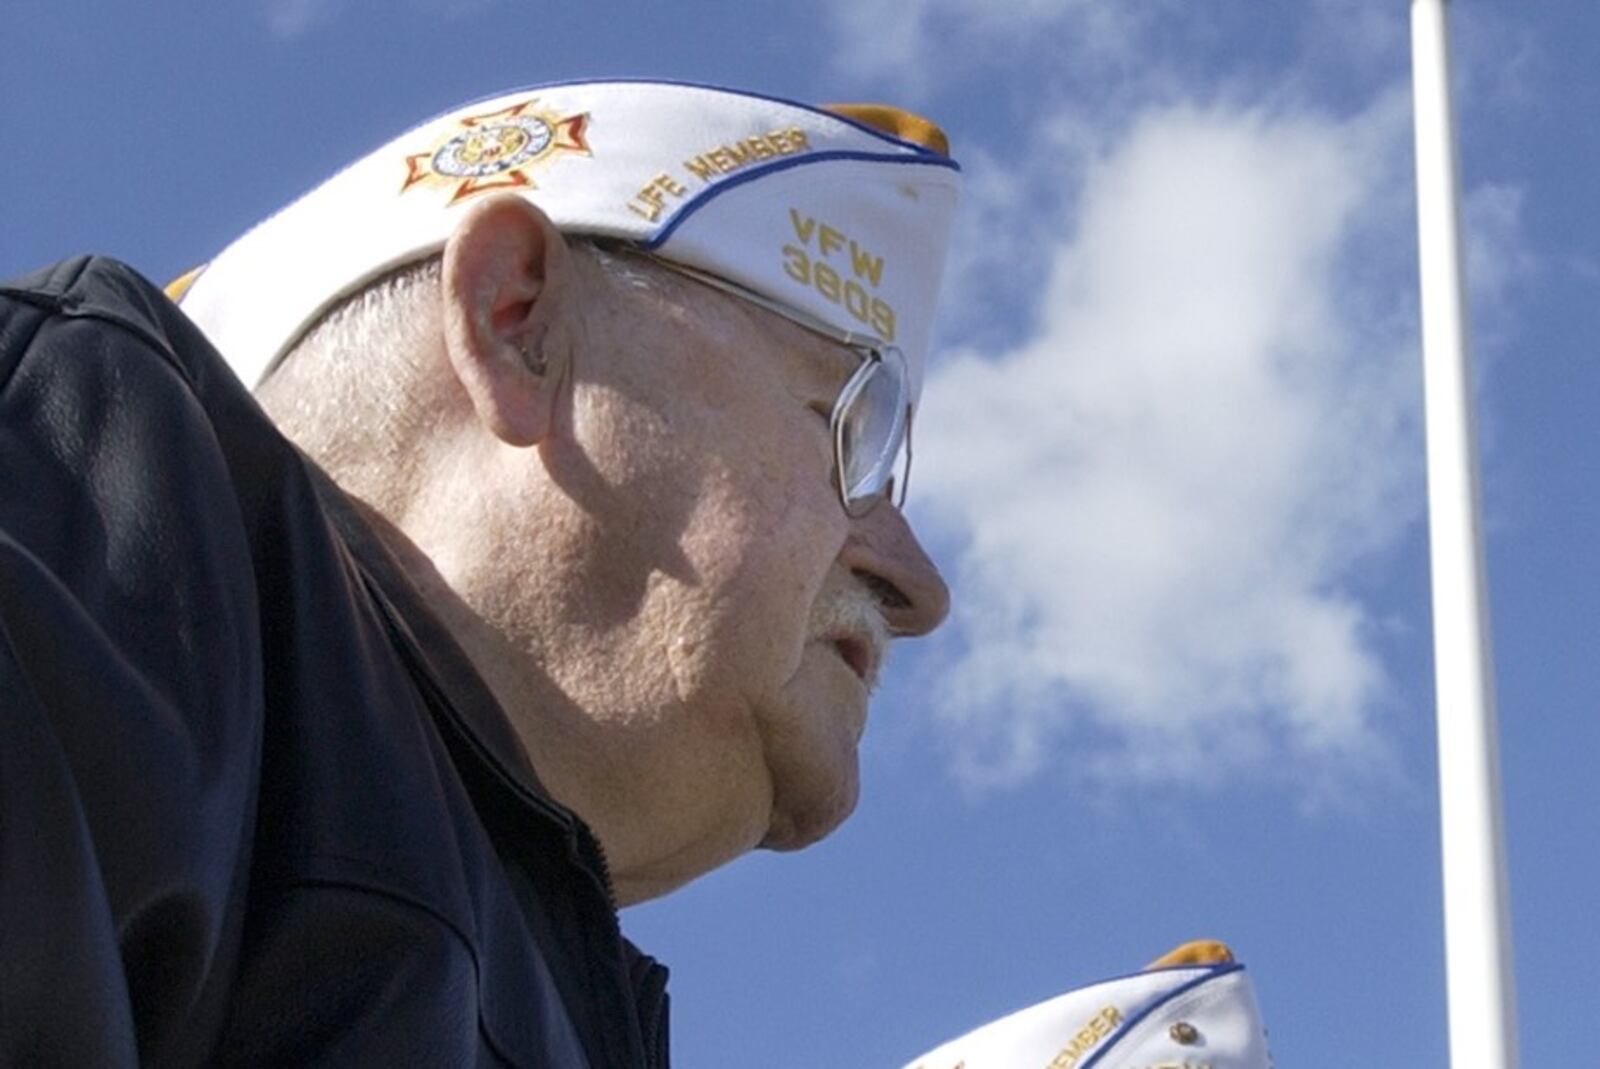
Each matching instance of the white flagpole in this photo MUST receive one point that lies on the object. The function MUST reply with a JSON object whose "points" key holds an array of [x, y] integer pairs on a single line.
{"points": [[1477, 925]]}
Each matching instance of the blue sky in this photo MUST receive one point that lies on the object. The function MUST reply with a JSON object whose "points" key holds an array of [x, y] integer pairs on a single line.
{"points": [[1170, 460]]}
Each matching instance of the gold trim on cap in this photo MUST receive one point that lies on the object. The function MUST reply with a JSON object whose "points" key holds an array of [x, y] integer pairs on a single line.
{"points": [[180, 285], [1198, 952], [895, 121]]}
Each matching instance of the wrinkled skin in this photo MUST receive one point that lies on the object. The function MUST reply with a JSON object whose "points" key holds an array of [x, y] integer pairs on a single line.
{"points": [[626, 513]]}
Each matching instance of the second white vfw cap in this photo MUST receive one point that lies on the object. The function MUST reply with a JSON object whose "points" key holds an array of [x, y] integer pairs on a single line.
{"points": [[1193, 1016], [842, 213]]}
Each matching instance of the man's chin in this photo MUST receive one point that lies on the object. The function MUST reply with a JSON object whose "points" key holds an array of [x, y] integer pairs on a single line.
{"points": [[810, 741], [796, 824]]}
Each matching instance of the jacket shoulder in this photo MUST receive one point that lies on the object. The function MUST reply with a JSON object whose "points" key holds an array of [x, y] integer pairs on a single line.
{"points": [[105, 290], [91, 285]]}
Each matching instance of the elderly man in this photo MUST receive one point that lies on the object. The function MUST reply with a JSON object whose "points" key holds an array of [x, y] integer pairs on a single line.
{"points": [[607, 391]]}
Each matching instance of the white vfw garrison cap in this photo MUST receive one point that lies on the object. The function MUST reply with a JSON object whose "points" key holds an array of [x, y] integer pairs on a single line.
{"points": [[1200, 1013], [842, 213]]}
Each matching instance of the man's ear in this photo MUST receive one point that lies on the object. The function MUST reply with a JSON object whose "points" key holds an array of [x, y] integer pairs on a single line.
{"points": [[507, 278]]}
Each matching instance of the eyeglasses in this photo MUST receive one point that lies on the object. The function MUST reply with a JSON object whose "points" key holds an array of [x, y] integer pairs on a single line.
{"points": [[871, 417]]}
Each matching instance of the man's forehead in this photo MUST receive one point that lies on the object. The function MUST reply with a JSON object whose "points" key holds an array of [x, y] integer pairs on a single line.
{"points": [[830, 352], [814, 363], [820, 211]]}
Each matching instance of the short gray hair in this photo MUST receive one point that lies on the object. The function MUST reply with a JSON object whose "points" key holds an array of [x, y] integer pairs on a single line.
{"points": [[346, 391], [382, 317]]}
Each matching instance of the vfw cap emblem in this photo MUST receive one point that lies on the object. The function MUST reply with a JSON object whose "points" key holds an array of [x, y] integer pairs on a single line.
{"points": [[496, 149]]}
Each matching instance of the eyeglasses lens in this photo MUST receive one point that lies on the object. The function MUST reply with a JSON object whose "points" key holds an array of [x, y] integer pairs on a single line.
{"points": [[872, 429]]}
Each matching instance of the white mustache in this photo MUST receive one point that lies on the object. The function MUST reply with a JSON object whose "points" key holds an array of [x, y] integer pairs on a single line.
{"points": [[848, 611]]}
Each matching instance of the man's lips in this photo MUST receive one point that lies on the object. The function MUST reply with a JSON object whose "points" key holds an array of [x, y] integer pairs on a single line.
{"points": [[858, 654]]}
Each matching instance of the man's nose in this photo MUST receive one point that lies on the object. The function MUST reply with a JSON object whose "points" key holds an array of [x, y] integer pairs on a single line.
{"points": [[884, 554]]}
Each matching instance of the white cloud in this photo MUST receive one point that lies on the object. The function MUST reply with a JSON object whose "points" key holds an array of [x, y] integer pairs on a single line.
{"points": [[1160, 494], [898, 39], [1359, 30], [1497, 256], [291, 18], [1183, 435]]}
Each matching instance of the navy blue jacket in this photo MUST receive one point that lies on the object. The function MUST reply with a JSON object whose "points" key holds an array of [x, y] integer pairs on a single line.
{"points": [[255, 805]]}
